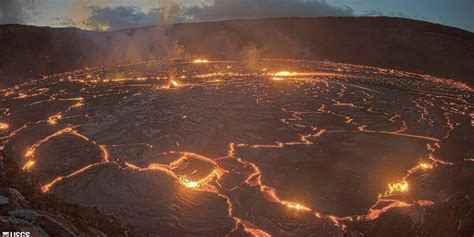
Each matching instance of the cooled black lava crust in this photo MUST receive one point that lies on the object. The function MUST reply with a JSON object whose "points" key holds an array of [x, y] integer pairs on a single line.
{"points": [[275, 147]]}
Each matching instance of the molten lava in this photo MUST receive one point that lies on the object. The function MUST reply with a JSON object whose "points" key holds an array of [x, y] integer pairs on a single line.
{"points": [[345, 108], [174, 83], [188, 183], [425, 165], [29, 165], [199, 60], [4, 126], [400, 187], [285, 74], [296, 206], [54, 119], [280, 75]]}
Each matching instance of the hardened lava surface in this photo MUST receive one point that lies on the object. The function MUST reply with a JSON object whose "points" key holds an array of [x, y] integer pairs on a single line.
{"points": [[272, 147]]}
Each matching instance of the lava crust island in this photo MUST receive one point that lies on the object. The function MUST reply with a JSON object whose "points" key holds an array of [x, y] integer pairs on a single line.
{"points": [[223, 148]]}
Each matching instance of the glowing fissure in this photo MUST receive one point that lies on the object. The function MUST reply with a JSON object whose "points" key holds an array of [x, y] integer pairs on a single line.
{"points": [[210, 183], [270, 193], [200, 60], [204, 184]]}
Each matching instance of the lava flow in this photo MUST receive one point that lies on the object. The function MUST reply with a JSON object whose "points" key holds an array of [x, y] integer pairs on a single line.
{"points": [[4, 126], [199, 60], [225, 149]]}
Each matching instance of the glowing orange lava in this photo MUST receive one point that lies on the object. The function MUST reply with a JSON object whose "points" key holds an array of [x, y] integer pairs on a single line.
{"points": [[200, 60], [29, 165], [47, 187], [78, 104], [285, 74], [374, 213], [54, 119], [252, 230], [188, 183], [211, 182], [400, 187], [296, 206], [174, 83], [4, 126], [280, 75], [425, 165]]}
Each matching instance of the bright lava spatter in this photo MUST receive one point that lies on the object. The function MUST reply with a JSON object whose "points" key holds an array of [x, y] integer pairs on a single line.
{"points": [[338, 93]]}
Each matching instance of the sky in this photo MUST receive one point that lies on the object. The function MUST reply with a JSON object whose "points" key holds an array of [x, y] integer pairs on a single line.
{"points": [[120, 14]]}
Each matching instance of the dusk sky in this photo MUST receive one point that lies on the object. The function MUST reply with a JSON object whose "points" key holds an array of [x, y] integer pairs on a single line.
{"points": [[119, 14]]}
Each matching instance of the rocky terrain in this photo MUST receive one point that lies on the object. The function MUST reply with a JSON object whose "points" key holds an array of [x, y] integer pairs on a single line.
{"points": [[253, 148], [23, 207], [29, 52]]}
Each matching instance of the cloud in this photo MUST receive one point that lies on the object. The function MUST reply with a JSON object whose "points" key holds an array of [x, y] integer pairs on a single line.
{"points": [[119, 17], [168, 11], [16, 11], [391, 14], [64, 22], [372, 13], [235, 9]]}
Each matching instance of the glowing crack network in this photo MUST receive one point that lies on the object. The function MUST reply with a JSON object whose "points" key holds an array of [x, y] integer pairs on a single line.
{"points": [[285, 147]]}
